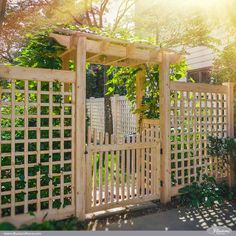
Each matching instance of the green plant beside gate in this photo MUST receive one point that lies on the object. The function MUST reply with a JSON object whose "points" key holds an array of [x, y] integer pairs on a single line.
{"points": [[210, 192]]}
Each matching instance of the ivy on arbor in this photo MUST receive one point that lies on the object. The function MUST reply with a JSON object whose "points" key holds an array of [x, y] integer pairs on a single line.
{"points": [[123, 81]]}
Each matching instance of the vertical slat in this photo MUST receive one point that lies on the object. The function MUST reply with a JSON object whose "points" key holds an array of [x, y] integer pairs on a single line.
{"points": [[73, 156], [230, 128], [194, 136], [138, 166], [95, 157], [143, 166], [13, 129], [117, 174], [122, 173], [26, 140], [148, 163], [100, 169], [38, 146], [153, 161], [158, 169], [189, 141], [112, 171], [89, 173], [106, 169], [128, 170], [133, 168], [51, 141], [182, 135], [62, 135]]}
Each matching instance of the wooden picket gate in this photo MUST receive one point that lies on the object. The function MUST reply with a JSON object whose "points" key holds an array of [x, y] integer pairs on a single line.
{"points": [[122, 172]]}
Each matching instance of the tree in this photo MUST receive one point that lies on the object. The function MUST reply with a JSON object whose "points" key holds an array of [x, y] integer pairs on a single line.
{"points": [[33, 16], [224, 66], [178, 23], [224, 69], [40, 51]]}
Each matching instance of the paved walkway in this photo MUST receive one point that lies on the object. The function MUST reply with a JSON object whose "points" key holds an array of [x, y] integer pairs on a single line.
{"points": [[174, 219]]}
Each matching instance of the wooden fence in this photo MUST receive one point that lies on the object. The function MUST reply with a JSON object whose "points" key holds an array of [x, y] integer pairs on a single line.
{"points": [[121, 172], [196, 112], [36, 147], [124, 121], [43, 170]]}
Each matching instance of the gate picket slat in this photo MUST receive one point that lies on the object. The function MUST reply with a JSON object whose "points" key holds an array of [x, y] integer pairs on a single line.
{"points": [[117, 175], [138, 151], [148, 134], [143, 165], [133, 168], [106, 169], [152, 157], [89, 171], [112, 171], [100, 169], [122, 174], [128, 171], [94, 168]]}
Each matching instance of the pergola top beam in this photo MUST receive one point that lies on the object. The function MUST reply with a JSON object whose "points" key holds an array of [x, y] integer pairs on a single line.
{"points": [[115, 50]]}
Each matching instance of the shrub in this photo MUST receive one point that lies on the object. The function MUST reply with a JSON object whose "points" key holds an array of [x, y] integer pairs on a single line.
{"points": [[207, 193], [66, 225]]}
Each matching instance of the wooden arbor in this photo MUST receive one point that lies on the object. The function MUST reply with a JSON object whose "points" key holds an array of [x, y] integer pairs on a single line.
{"points": [[85, 47]]}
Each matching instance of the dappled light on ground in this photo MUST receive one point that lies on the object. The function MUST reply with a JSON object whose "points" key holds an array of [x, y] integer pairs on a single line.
{"points": [[207, 217], [172, 219]]}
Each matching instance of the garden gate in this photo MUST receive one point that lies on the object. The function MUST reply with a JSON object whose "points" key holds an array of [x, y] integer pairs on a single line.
{"points": [[122, 171]]}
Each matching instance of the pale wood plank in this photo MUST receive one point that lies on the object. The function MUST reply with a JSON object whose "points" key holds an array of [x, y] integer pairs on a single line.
{"points": [[47, 75]]}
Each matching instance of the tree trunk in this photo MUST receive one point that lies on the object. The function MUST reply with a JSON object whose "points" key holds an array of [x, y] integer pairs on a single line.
{"points": [[107, 106], [3, 4]]}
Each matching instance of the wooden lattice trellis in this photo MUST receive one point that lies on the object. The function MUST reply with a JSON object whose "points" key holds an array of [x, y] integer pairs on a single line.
{"points": [[36, 132], [196, 112]]}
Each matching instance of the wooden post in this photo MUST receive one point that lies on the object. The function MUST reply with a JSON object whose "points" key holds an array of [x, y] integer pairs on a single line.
{"points": [[230, 130], [65, 61], [165, 128], [80, 124], [140, 78], [65, 66]]}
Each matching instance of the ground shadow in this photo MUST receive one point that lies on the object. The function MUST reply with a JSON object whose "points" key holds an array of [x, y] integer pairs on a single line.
{"points": [[171, 219]]}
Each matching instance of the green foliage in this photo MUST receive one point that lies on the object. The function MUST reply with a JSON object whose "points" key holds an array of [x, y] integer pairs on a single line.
{"points": [[221, 147], [5, 226], [40, 51], [123, 81], [224, 69], [94, 81], [69, 224], [207, 193]]}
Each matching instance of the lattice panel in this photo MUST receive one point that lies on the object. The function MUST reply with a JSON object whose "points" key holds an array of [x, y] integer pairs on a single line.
{"points": [[194, 117], [124, 119], [95, 111], [36, 149]]}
